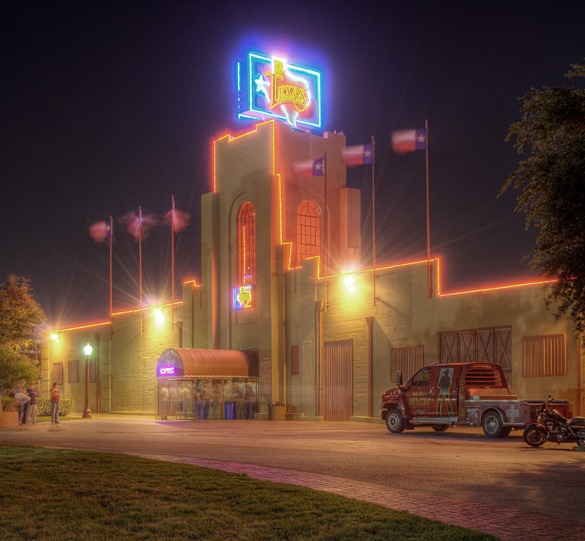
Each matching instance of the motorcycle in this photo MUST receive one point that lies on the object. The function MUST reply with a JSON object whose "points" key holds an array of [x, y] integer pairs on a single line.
{"points": [[553, 426]]}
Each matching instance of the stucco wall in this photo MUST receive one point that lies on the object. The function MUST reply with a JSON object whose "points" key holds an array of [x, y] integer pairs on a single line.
{"points": [[404, 316]]}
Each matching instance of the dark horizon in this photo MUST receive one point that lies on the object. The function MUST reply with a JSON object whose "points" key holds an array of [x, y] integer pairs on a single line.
{"points": [[113, 106]]}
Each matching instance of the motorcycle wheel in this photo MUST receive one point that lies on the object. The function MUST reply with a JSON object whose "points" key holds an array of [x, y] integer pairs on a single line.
{"points": [[535, 435]]}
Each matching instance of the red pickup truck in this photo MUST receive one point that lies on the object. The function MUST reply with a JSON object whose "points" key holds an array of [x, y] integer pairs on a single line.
{"points": [[444, 395]]}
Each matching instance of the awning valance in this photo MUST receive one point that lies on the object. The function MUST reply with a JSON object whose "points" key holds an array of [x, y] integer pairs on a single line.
{"points": [[177, 362]]}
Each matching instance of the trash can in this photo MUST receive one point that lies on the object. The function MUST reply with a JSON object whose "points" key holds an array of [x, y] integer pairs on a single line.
{"points": [[277, 412], [229, 409]]}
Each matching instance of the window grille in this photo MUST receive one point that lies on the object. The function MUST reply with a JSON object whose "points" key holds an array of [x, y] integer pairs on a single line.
{"points": [[407, 360], [73, 371], [308, 230], [57, 374], [484, 376], [246, 244], [544, 355]]}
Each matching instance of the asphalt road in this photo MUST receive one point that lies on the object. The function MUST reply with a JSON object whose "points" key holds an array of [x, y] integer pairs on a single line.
{"points": [[473, 475]]}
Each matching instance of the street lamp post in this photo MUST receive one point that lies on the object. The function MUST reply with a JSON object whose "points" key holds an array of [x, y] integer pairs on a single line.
{"points": [[87, 349]]}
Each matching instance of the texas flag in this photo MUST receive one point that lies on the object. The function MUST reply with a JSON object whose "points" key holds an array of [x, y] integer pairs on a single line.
{"points": [[310, 168], [358, 155], [99, 231], [407, 141]]}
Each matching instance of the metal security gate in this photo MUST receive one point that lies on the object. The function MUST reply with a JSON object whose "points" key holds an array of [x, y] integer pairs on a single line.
{"points": [[491, 345], [338, 380]]}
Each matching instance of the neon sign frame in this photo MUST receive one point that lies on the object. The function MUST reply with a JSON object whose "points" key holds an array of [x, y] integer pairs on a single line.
{"points": [[275, 88], [243, 297]]}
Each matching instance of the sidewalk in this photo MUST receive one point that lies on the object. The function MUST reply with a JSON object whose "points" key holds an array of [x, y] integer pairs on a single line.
{"points": [[507, 523], [502, 522]]}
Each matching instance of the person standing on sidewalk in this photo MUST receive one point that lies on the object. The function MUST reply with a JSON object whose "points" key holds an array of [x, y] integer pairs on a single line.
{"points": [[55, 403], [31, 417], [23, 399]]}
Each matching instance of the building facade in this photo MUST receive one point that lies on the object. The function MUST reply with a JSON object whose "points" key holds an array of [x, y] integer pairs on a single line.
{"points": [[282, 281]]}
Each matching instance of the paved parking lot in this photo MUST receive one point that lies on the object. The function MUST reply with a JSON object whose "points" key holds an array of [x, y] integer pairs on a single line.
{"points": [[501, 487]]}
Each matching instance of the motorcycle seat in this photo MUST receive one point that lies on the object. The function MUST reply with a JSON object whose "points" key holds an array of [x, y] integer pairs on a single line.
{"points": [[577, 420]]}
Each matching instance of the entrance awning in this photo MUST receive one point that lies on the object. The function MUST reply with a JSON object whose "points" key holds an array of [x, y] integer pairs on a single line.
{"points": [[183, 362]]}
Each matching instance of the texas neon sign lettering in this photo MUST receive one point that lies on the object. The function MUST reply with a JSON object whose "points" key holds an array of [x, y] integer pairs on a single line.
{"points": [[287, 89], [273, 87]]}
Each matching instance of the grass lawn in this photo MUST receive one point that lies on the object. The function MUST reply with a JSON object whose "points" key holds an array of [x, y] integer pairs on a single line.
{"points": [[55, 494]]}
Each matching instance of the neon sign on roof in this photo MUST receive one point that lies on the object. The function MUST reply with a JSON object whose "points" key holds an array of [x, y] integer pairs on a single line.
{"points": [[273, 87]]}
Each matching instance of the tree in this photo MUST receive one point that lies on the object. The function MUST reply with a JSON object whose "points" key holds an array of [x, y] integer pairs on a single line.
{"points": [[20, 314], [13, 367], [552, 183], [21, 318]]}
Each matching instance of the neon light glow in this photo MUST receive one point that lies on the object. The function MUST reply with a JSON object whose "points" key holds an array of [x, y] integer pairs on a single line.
{"points": [[167, 370], [273, 87], [243, 297], [499, 288], [76, 328]]}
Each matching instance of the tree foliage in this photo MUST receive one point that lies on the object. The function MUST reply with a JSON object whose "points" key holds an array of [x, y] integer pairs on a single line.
{"points": [[552, 189], [14, 367], [21, 319], [20, 314]]}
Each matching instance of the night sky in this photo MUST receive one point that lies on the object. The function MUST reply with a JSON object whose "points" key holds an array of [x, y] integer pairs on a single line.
{"points": [[112, 105]]}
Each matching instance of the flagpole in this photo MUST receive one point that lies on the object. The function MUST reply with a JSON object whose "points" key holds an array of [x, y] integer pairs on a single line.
{"points": [[429, 264], [327, 239], [140, 260], [373, 218], [111, 243], [173, 262]]}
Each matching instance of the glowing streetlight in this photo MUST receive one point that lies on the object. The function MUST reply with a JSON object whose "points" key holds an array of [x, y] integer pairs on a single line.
{"points": [[87, 349]]}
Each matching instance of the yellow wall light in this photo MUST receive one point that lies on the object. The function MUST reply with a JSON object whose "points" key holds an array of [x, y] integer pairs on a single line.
{"points": [[349, 281], [159, 317]]}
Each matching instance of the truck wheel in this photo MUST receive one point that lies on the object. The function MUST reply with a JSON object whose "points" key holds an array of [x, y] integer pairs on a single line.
{"points": [[440, 428], [394, 422], [534, 435], [492, 425]]}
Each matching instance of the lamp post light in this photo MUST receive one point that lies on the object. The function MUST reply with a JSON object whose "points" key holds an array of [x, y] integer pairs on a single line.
{"points": [[87, 349]]}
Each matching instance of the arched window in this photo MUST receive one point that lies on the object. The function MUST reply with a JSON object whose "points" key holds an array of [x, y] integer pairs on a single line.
{"points": [[308, 230], [246, 244]]}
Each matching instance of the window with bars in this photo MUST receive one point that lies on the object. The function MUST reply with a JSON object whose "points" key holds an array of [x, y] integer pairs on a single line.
{"points": [[73, 371], [294, 360], [246, 244], [406, 360], [308, 230], [57, 373], [544, 355]]}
